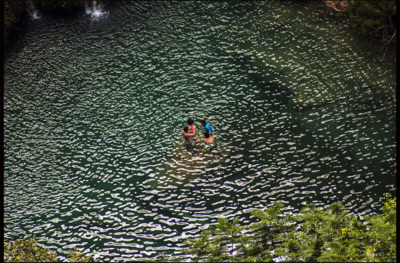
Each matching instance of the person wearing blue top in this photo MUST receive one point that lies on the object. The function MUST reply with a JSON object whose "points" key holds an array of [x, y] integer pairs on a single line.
{"points": [[207, 127]]}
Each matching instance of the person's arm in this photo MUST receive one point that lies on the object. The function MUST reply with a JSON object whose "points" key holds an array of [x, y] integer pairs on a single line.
{"points": [[187, 134], [194, 129]]}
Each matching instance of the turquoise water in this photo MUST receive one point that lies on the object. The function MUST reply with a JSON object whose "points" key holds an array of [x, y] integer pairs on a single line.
{"points": [[303, 109]]}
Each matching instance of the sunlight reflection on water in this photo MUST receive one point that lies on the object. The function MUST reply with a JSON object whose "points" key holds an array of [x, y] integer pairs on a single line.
{"points": [[93, 150]]}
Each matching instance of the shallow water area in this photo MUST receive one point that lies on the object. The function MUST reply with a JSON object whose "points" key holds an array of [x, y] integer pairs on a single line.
{"points": [[303, 109]]}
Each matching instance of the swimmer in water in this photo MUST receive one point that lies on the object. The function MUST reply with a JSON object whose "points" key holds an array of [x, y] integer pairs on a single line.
{"points": [[189, 140], [207, 127], [191, 127], [209, 142]]}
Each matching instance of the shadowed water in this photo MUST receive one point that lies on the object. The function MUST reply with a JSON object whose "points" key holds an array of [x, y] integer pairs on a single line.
{"points": [[303, 109]]}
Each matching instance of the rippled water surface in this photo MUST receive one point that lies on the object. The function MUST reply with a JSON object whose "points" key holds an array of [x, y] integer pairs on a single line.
{"points": [[303, 109]]}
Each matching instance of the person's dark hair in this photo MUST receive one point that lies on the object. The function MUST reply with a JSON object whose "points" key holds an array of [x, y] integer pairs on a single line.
{"points": [[186, 129], [203, 121], [206, 134], [189, 121]]}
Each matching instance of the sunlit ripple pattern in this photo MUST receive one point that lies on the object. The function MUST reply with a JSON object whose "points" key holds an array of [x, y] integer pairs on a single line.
{"points": [[93, 109]]}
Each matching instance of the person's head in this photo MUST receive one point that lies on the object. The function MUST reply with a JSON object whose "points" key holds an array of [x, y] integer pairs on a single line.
{"points": [[189, 121], [185, 129], [206, 134], [203, 122]]}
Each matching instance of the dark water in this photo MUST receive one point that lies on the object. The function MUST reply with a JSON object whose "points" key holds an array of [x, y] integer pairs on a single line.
{"points": [[303, 109]]}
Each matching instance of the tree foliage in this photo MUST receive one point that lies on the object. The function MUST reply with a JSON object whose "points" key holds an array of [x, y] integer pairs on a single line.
{"points": [[314, 235], [28, 250], [77, 255], [373, 17], [11, 14]]}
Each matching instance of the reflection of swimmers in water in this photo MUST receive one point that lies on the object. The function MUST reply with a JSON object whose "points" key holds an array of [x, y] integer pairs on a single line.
{"points": [[209, 142], [207, 127], [189, 142]]}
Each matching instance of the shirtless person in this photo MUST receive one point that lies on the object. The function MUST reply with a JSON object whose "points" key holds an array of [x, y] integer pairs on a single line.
{"points": [[191, 127], [209, 143], [189, 142]]}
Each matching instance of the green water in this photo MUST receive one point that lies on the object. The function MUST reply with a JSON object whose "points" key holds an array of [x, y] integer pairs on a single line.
{"points": [[303, 109]]}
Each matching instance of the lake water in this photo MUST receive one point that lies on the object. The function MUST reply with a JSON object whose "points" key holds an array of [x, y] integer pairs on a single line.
{"points": [[94, 104]]}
